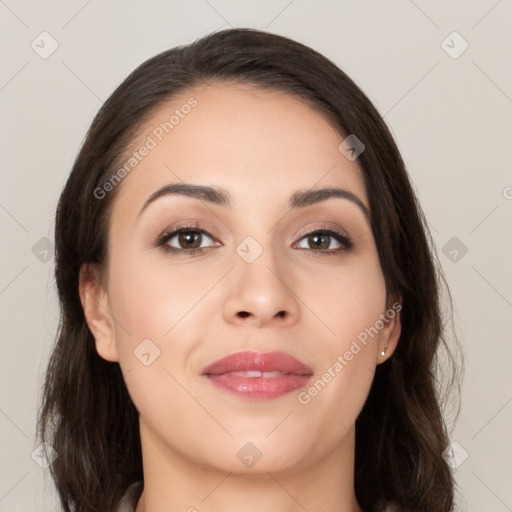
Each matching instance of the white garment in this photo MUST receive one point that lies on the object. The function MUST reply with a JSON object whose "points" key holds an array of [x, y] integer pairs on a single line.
{"points": [[129, 501]]}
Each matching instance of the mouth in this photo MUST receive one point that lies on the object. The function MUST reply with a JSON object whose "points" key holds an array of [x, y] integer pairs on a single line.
{"points": [[257, 375]]}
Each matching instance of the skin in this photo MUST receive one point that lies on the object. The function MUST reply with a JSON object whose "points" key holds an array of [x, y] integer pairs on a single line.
{"points": [[261, 146]]}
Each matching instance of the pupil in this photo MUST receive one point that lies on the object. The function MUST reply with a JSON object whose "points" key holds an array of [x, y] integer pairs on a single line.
{"points": [[187, 238], [318, 239]]}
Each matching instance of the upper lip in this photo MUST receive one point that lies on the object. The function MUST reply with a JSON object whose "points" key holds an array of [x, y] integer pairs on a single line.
{"points": [[250, 360]]}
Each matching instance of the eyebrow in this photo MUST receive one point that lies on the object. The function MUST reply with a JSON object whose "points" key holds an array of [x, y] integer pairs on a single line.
{"points": [[221, 197]]}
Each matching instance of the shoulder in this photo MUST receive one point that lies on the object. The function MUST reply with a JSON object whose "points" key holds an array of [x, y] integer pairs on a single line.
{"points": [[130, 498]]}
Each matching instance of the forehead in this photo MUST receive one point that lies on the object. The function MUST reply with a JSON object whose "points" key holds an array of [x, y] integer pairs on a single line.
{"points": [[258, 144]]}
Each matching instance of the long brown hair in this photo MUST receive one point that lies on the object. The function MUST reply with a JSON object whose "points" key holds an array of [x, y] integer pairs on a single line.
{"points": [[86, 413]]}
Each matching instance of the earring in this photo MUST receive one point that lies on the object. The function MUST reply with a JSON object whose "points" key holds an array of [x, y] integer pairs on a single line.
{"points": [[383, 353]]}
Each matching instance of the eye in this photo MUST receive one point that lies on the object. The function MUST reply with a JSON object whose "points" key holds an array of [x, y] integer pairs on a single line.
{"points": [[325, 241], [185, 239]]}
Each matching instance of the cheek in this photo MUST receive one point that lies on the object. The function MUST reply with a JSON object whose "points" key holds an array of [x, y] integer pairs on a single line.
{"points": [[350, 302], [164, 311], [153, 298], [346, 365], [154, 331], [347, 299]]}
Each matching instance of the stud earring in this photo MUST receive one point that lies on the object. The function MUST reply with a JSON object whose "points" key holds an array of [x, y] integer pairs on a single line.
{"points": [[383, 353]]}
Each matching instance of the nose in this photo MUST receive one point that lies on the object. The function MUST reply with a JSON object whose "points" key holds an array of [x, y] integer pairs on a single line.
{"points": [[261, 293]]}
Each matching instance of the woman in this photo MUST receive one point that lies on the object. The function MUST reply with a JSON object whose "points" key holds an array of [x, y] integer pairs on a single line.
{"points": [[250, 302]]}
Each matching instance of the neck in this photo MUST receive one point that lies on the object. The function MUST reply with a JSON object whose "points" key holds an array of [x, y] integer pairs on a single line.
{"points": [[173, 482]]}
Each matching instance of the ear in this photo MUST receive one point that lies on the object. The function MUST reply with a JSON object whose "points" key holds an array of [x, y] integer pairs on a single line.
{"points": [[94, 299], [390, 333]]}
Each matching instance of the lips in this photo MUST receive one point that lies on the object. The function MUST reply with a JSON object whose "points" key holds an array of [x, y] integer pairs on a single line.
{"points": [[251, 362], [257, 375]]}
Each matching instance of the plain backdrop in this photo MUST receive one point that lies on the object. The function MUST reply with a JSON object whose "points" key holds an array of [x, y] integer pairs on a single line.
{"points": [[439, 73]]}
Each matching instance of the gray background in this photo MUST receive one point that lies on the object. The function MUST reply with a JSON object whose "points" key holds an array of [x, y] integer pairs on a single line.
{"points": [[450, 114]]}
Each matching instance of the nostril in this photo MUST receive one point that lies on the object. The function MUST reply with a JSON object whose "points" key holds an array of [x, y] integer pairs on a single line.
{"points": [[243, 314]]}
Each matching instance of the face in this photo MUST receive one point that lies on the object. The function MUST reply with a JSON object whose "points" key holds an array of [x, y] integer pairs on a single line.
{"points": [[254, 271]]}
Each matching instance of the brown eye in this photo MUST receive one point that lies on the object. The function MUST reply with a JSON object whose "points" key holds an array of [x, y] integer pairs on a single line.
{"points": [[190, 239], [325, 240], [186, 240], [318, 241]]}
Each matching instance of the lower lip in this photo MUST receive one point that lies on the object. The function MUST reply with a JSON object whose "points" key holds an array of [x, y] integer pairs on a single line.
{"points": [[261, 388]]}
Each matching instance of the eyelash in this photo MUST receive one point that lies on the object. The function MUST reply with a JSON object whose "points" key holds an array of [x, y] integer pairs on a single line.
{"points": [[343, 239]]}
